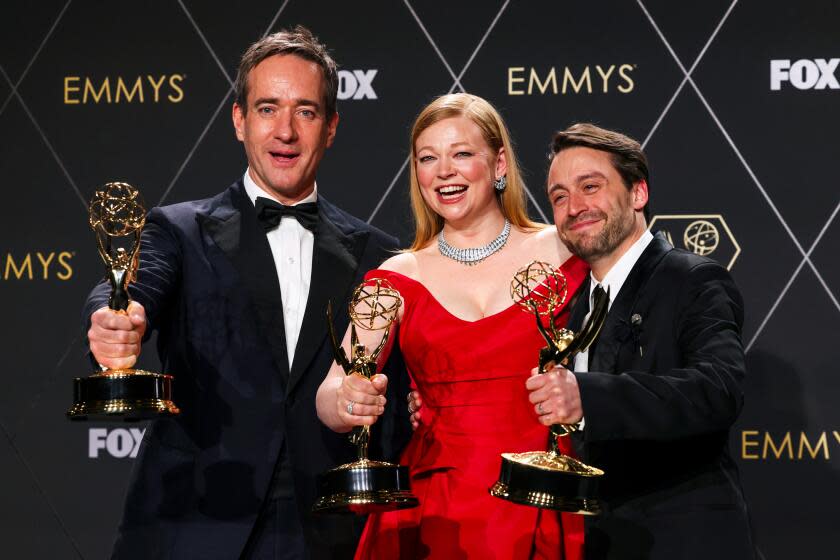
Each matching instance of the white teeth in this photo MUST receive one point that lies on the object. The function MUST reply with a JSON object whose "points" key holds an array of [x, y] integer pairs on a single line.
{"points": [[452, 189]]}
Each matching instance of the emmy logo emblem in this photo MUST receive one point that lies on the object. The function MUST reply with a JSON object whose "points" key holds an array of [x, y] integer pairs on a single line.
{"points": [[550, 479], [365, 486], [117, 217]]}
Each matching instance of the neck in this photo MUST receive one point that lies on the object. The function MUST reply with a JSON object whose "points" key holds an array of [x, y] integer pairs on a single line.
{"points": [[476, 231], [602, 265]]}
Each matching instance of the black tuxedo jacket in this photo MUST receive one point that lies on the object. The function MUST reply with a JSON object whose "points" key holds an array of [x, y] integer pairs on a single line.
{"points": [[662, 392], [209, 285]]}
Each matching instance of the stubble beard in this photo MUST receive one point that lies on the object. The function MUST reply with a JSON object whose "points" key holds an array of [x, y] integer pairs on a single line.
{"points": [[616, 229]]}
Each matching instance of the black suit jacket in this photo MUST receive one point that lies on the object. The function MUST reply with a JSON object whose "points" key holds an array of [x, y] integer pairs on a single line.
{"points": [[659, 400], [209, 286]]}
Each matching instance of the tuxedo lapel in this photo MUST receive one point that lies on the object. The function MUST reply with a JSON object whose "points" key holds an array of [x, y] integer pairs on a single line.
{"points": [[233, 228], [222, 226], [335, 260], [617, 325]]}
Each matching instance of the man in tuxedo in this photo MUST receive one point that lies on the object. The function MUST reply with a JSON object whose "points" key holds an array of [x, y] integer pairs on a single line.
{"points": [[657, 393], [236, 287]]}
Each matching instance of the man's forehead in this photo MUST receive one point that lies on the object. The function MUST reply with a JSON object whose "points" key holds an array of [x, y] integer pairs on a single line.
{"points": [[288, 59], [578, 154], [580, 162], [285, 67], [286, 72]]}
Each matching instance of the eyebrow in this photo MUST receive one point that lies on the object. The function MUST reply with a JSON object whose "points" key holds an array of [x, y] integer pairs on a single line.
{"points": [[578, 179], [463, 143], [298, 102]]}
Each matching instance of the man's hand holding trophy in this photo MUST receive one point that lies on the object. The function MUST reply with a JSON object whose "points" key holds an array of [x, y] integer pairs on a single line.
{"points": [[551, 479], [117, 216]]}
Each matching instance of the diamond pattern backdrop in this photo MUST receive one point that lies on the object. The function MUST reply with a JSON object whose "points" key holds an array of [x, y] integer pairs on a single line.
{"points": [[692, 80]]}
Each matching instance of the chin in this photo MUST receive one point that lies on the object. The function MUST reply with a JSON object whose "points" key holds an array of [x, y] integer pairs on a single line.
{"points": [[452, 216], [287, 188], [582, 247]]}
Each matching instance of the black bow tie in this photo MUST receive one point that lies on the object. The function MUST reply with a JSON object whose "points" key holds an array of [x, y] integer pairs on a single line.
{"points": [[270, 213]]}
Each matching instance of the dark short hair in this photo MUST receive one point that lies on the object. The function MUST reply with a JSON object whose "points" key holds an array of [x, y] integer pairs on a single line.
{"points": [[300, 42], [628, 159]]}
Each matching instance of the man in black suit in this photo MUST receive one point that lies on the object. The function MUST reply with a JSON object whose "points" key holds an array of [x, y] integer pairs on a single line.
{"points": [[659, 391], [236, 287]]}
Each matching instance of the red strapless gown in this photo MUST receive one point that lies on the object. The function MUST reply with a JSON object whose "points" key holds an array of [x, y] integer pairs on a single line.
{"points": [[471, 375]]}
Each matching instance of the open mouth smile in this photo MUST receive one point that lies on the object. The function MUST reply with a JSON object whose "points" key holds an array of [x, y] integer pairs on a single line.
{"points": [[283, 157], [451, 193]]}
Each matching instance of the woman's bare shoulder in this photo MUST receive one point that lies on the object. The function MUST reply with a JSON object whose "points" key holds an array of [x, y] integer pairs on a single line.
{"points": [[403, 263], [546, 235], [548, 246]]}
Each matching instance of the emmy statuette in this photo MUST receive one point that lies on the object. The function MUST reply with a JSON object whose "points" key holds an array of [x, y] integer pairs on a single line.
{"points": [[365, 486], [117, 217], [550, 479]]}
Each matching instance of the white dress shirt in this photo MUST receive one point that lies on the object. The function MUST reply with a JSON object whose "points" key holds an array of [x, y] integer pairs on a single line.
{"points": [[613, 280], [291, 246]]}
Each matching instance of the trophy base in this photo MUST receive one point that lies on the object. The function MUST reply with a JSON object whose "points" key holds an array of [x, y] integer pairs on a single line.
{"points": [[364, 487], [550, 481], [127, 394]]}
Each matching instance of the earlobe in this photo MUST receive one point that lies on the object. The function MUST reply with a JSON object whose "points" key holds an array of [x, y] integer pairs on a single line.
{"points": [[331, 129], [237, 121]]}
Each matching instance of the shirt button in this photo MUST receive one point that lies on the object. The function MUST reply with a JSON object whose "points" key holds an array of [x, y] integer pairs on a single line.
{"points": [[291, 260]]}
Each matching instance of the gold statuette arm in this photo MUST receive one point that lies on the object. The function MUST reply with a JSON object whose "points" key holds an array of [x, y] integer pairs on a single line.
{"points": [[338, 351]]}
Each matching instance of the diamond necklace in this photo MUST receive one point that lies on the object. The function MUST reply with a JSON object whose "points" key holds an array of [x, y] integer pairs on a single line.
{"points": [[473, 255]]}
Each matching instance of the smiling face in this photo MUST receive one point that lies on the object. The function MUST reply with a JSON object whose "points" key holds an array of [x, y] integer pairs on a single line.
{"points": [[597, 216], [456, 169], [285, 130]]}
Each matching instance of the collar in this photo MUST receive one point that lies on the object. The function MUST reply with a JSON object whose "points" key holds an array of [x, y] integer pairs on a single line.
{"points": [[619, 272], [253, 191]]}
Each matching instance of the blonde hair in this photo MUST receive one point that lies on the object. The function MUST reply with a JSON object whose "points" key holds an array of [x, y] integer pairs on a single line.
{"points": [[427, 223]]}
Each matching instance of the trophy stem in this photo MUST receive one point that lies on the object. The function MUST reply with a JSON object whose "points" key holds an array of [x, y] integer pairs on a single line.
{"points": [[118, 278], [362, 438], [554, 438]]}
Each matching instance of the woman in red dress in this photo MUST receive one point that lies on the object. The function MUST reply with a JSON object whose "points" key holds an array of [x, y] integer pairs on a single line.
{"points": [[468, 348]]}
